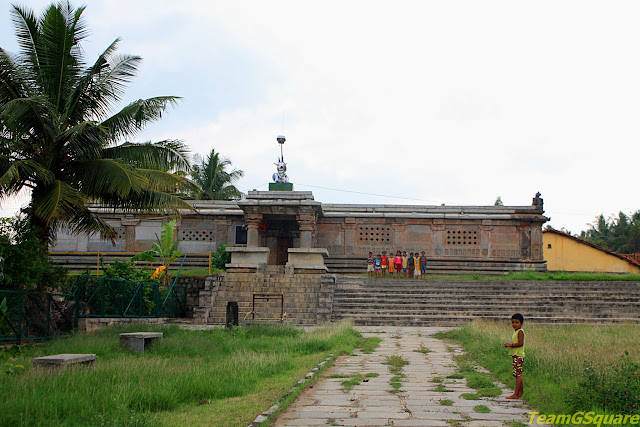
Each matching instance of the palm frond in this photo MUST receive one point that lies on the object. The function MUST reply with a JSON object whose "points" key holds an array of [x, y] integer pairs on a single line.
{"points": [[149, 256], [57, 200], [134, 117], [167, 155], [109, 176], [85, 221], [28, 32], [83, 141], [147, 201], [87, 95], [165, 181], [12, 83], [60, 61], [23, 170]]}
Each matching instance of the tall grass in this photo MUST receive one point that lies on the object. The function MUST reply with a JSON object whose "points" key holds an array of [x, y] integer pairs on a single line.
{"points": [[555, 355], [189, 367]]}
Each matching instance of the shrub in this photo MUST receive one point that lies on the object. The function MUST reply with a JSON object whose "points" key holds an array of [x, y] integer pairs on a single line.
{"points": [[26, 264], [126, 270], [615, 389], [220, 257]]}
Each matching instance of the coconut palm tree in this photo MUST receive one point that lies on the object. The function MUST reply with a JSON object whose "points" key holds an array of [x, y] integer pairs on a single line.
{"points": [[215, 182], [59, 137]]}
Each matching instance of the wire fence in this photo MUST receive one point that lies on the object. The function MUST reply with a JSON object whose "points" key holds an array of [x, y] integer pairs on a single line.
{"points": [[42, 315], [36, 315], [102, 297]]}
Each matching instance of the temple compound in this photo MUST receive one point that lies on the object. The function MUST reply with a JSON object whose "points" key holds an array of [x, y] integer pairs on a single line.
{"points": [[291, 229], [284, 243]]}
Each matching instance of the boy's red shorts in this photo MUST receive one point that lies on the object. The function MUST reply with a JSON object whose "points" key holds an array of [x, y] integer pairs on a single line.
{"points": [[517, 365]]}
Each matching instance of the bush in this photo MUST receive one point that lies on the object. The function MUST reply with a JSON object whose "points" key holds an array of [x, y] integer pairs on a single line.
{"points": [[221, 257], [615, 389], [126, 270], [26, 264]]}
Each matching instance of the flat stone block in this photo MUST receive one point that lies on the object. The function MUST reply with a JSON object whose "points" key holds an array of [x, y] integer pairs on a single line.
{"points": [[64, 360], [138, 341]]}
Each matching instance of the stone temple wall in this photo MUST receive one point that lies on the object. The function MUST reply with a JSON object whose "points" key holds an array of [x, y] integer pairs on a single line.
{"points": [[455, 238]]}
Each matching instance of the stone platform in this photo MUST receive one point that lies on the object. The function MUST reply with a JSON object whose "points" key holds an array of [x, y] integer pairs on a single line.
{"points": [[59, 361], [139, 341]]}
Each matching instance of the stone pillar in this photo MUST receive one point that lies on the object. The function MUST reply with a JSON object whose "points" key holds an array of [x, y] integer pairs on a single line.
{"points": [[130, 234], [253, 237], [307, 223], [349, 228]]}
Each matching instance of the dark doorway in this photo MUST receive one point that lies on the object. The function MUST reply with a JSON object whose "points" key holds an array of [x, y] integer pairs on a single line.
{"points": [[282, 253], [281, 232]]}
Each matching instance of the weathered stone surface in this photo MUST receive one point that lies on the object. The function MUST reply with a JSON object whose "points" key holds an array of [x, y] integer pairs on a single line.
{"points": [[455, 238], [139, 341], [372, 403], [64, 360]]}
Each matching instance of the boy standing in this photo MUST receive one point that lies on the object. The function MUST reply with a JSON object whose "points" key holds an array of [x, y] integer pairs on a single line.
{"points": [[370, 262], [423, 264], [517, 353], [416, 261]]}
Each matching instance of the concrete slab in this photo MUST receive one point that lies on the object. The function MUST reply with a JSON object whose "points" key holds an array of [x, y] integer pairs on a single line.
{"points": [[64, 360]]}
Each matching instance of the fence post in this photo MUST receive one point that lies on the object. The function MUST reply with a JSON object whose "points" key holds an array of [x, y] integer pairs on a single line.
{"points": [[48, 315], [98, 264], [102, 295], [19, 318], [122, 300], [76, 310]]}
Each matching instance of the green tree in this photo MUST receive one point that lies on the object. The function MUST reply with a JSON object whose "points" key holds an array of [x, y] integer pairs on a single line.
{"points": [[58, 137], [165, 250], [621, 234], [215, 182], [498, 202]]}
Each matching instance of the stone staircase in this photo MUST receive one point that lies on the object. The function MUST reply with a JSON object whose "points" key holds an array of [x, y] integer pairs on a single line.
{"points": [[450, 303]]}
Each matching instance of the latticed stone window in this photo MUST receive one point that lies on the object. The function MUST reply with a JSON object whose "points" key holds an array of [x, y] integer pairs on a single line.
{"points": [[374, 234], [197, 235], [462, 237]]}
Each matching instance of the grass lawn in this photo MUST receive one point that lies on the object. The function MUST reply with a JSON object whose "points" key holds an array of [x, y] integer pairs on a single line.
{"points": [[217, 377], [556, 357]]}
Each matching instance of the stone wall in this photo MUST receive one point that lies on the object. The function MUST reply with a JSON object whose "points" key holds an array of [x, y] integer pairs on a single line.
{"points": [[92, 324], [308, 298], [194, 285]]}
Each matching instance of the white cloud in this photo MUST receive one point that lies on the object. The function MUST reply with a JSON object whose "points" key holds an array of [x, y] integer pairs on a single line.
{"points": [[447, 102]]}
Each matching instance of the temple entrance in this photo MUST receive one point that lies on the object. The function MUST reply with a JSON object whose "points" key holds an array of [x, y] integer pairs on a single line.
{"points": [[281, 234], [282, 252]]}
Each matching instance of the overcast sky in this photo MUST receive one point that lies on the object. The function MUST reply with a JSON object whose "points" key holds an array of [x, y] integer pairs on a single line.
{"points": [[453, 102]]}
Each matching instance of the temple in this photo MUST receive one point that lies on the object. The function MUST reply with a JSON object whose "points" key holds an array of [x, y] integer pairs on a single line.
{"points": [[292, 229]]}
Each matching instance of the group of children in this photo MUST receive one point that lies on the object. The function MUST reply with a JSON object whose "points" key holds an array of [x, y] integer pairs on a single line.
{"points": [[412, 265]]}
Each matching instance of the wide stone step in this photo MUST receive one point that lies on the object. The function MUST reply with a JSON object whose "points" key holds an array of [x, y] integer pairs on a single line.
{"points": [[575, 296], [458, 319], [399, 305]]}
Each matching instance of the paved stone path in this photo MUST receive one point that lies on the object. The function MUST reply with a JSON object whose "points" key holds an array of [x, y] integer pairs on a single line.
{"points": [[373, 403]]}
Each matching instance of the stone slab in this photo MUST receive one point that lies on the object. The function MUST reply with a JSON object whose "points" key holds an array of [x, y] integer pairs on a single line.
{"points": [[64, 360], [139, 341]]}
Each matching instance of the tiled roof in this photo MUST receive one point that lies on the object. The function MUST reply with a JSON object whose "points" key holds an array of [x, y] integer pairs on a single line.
{"points": [[631, 258]]}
